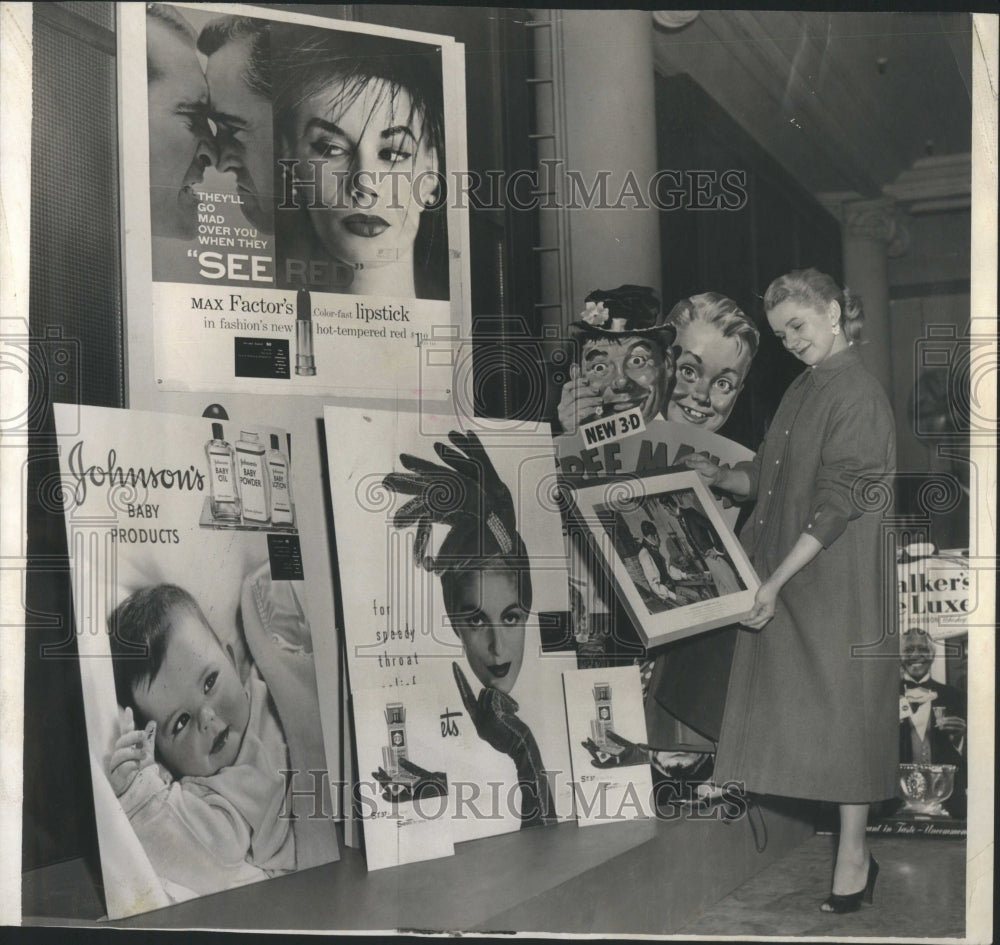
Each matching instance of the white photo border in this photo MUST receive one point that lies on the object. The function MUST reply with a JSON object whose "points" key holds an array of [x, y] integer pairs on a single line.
{"points": [[686, 620]]}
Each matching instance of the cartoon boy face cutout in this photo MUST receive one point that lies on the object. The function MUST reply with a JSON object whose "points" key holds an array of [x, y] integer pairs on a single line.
{"points": [[711, 370]]}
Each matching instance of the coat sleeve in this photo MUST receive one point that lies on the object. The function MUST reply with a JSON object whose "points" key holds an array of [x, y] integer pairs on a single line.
{"points": [[858, 448], [752, 468]]}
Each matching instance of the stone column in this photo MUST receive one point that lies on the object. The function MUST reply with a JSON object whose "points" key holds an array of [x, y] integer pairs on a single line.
{"points": [[872, 230], [605, 128]]}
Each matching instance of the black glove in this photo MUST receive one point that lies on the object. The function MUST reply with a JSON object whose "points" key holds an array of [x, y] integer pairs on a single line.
{"points": [[494, 715], [428, 784], [467, 492], [623, 754]]}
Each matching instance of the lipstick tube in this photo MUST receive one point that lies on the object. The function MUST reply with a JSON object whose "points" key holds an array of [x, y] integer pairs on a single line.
{"points": [[305, 363]]}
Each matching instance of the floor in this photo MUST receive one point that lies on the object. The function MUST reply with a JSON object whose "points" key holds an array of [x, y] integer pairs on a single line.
{"points": [[920, 893]]}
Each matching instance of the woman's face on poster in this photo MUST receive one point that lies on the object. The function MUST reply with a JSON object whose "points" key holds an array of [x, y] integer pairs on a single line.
{"points": [[379, 175], [710, 372], [489, 619]]}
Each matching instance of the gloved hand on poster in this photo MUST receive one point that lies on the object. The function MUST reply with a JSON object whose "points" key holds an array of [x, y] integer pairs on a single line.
{"points": [[627, 753], [494, 714], [424, 785], [466, 492]]}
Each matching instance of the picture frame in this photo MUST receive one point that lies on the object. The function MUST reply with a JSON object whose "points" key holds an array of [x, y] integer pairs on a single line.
{"points": [[696, 576]]}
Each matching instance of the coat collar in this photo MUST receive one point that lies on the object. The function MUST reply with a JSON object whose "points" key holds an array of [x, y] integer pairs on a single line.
{"points": [[827, 370]]}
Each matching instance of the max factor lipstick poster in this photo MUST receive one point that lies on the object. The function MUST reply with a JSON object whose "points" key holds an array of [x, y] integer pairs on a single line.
{"points": [[201, 653], [288, 225]]}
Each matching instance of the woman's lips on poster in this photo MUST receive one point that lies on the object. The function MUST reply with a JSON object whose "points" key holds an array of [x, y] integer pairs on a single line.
{"points": [[499, 669], [220, 741], [361, 224]]}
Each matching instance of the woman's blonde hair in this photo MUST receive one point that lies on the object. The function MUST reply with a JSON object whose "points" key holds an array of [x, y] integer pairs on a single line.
{"points": [[817, 290]]}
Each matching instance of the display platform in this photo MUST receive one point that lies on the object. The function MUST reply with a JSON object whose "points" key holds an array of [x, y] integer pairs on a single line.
{"points": [[646, 877]]}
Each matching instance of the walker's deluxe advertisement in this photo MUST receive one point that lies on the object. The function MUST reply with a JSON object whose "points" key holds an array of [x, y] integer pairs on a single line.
{"points": [[197, 653], [288, 220]]}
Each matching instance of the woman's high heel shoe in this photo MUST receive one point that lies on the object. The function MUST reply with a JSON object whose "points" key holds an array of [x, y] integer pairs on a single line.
{"points": [[852, 902]]}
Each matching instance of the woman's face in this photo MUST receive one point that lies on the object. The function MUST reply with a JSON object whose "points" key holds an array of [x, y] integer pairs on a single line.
{"points": [[806, 331], [710, 372], [489, 620], [379, 171]]}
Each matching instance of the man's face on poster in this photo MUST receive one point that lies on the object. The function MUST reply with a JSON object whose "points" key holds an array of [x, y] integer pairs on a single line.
{"points": [[180, 140], [244, 126], [918, 655], [633, 371]]}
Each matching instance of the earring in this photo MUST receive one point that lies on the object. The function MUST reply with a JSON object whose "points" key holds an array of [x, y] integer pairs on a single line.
{"points": [[835, 330], [428, 193]]}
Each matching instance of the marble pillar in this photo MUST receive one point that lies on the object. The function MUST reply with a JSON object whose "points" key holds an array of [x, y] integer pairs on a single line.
{"points": [[872, 231], [605, 139]]}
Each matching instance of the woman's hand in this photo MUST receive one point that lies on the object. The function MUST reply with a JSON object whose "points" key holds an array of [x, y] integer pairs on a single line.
{"points": [[711, 473], [803, 551], [732, 479], [133, 751], [423, 785], [579, 401], [763, 606], [625, 753], [494, 714]]}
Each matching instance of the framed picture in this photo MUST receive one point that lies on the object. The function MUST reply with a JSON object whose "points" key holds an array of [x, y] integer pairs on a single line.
{"points": [[675, 563]]}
